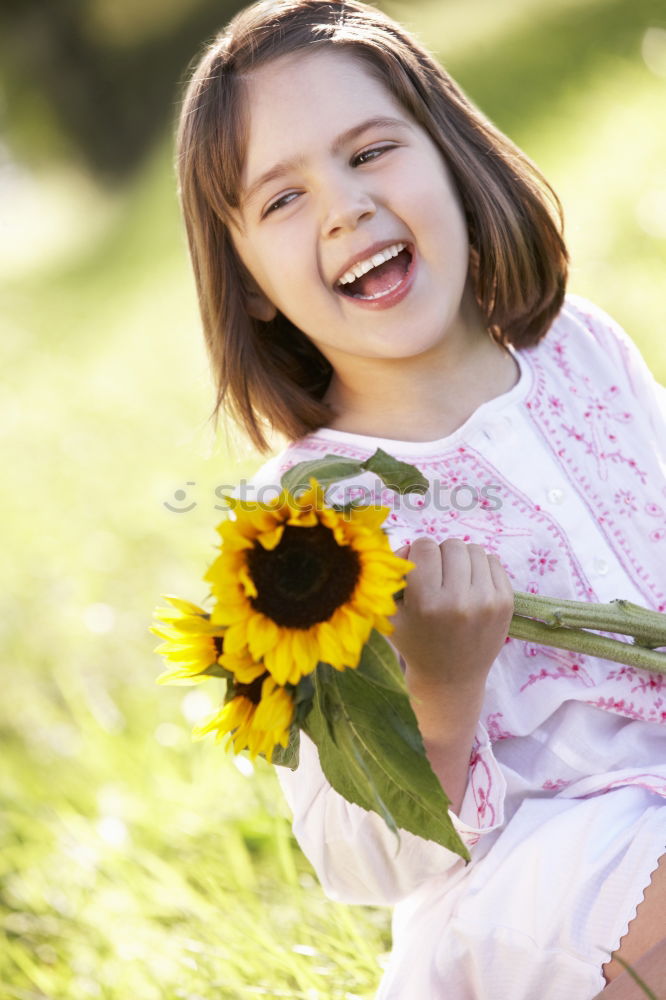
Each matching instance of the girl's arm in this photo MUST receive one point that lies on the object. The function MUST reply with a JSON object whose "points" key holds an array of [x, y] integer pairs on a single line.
{"points": [[356, 857], [450, 627]]}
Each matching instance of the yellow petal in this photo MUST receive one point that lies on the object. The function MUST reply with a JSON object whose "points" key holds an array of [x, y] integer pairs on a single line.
{"points": [[180, 676], [244, 669], [353, 630], [368, 517], [227, 612], [235, 638], [304, 519], [384, 625], [277, 662], [374, 604], [247, 583], [262, 634], [332, 650], [275, 709], [232, 536], [270, 539], [304, 650]]}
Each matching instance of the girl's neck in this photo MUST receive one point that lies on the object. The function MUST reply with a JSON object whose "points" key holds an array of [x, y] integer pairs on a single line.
{"points": [[416, 400]]}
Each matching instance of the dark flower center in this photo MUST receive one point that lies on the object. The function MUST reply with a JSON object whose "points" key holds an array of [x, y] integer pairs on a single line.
{"points": [[305, 578], [251, 691]]}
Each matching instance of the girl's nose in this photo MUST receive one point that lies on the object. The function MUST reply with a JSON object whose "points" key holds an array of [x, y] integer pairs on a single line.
{"points": [[347, 206]]}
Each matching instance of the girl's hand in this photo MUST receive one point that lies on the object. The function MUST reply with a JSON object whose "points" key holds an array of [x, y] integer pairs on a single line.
{"points": [[449, 627], [454, 616]]}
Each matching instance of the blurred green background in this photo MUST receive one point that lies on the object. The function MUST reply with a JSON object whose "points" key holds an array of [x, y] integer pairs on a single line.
{"points": [[134, 863]]}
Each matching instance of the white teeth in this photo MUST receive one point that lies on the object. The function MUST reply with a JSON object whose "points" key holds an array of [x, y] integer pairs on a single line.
{"points": [[366, 265]]}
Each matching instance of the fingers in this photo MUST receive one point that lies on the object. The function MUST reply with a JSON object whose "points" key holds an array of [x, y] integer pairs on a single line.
{"points": [[501, 580], [426, 576], [456, 610], [504, 596], [454, 562], [490, 584], [461, 563]]}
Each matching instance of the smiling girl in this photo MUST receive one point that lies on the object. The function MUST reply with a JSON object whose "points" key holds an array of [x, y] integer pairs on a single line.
{"points": [[378, 266]]}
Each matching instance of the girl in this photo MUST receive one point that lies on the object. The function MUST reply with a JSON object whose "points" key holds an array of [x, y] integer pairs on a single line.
{"points": [[378, 266]]}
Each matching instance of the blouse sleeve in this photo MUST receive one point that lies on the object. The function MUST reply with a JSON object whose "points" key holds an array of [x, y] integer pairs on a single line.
{"points": [[628, 361], [356, 857]]}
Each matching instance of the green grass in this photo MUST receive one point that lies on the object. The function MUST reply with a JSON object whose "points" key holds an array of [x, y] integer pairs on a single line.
{"points": [[134, 862]]}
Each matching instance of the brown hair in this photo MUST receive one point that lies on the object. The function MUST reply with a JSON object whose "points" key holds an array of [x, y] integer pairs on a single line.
{"points": [[518, 260]]}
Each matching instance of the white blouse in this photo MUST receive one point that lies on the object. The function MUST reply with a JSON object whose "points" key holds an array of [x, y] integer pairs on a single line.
{"points": [[564, 478]]}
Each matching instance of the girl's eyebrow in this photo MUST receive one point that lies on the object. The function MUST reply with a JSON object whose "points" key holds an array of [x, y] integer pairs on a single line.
{"points": [[294, 163]]}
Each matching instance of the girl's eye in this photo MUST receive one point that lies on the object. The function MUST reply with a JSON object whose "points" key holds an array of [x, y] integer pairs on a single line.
{"points": [[378, 150], [279, 203], [365, 156]]}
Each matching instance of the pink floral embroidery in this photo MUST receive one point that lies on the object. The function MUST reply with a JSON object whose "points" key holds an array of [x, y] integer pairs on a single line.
{"points": [[594, 430], [560, 356], [541, 561], [625, 502], [620, 706], [650, 682], [494, 728], [567, 665], [621, 672], [481, 783], [652, 782], [555, 785]]}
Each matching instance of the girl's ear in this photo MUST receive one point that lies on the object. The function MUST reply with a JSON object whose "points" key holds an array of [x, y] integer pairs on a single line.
{"points": [[260, 307]]}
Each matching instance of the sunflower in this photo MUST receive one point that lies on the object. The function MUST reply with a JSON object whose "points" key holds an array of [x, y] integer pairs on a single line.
{"points": [[297, 582], [257, 718], [194, 644]]}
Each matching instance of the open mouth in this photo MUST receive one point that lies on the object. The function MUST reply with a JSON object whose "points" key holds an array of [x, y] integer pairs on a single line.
{"points": [[379, 280]]}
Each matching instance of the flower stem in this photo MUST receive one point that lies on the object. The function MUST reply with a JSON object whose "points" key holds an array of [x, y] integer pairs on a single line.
{"points": [[647, 627], [564, 623]]}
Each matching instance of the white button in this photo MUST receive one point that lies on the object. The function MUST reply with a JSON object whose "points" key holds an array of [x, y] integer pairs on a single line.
{"points": [[556, 496], [601, 567]]}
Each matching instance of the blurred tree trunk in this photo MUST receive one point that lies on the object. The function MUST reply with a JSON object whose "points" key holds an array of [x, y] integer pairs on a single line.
{"points": [[109, 98]]}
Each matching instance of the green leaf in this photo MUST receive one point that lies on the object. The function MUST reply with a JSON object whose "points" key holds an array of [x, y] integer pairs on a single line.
{"points": [[217, 670], [288, 756], [398, 476], [302, 694], [326, 470], [370, 747]]}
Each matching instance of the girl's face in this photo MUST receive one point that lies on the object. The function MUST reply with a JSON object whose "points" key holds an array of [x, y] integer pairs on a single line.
{"points": [[326, 185]]}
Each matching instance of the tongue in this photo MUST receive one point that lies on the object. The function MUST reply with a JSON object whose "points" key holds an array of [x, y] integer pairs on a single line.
{"points": [[381, 278]]}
